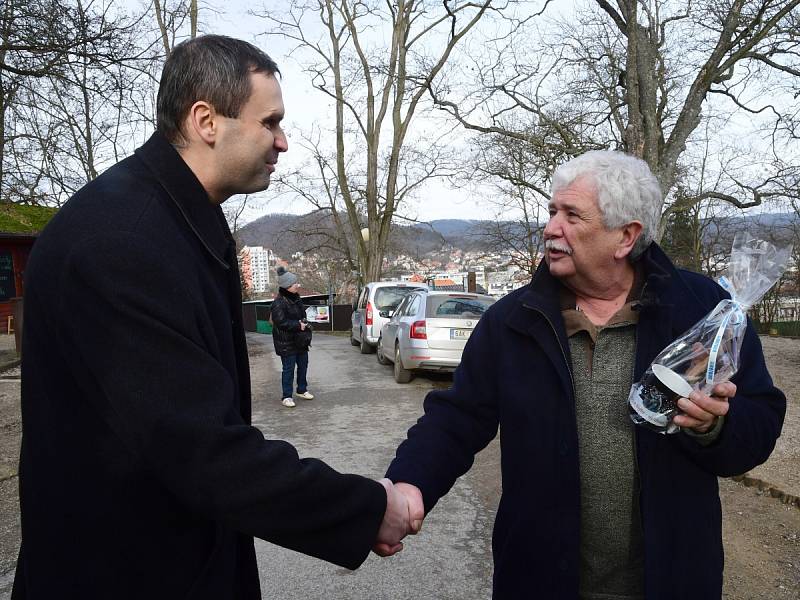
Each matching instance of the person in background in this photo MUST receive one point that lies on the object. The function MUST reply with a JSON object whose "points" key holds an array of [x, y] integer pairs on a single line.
{"points": [[291, 335]]}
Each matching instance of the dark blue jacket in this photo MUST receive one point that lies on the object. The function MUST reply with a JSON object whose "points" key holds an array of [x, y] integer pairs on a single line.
{"points": [[516, 373], [140, 474]]}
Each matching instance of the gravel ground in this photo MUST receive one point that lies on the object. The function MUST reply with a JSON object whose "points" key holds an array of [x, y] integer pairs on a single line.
{"points": [[783, 468]]}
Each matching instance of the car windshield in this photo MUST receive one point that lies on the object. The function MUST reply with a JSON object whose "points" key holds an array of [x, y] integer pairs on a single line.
{"points": [[456, 306], [387, 298]]}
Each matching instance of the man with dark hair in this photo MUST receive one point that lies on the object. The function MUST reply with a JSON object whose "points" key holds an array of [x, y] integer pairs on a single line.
{"points": [[217, 70], [140, 474]]}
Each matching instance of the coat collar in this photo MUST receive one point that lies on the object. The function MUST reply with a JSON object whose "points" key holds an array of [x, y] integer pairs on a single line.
{"points": [[663, 286], [202, 216], [666, 288], [537, 311]]}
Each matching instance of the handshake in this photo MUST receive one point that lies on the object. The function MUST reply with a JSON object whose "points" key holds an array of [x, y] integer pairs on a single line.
{"points": [[404, 514]]}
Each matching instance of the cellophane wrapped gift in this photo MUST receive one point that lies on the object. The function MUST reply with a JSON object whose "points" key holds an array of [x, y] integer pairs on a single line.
{"points": [[708, 353]]}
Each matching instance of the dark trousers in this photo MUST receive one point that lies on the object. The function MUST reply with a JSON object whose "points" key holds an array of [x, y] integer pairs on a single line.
{"points": [[289, 361]]}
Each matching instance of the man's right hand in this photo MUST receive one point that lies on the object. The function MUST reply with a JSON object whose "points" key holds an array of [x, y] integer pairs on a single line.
{"points": [[416, 506], [404, 514]]}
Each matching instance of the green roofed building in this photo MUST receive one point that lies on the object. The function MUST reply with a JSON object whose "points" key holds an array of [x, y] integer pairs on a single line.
{"points": [[19, 227], [23, 219]]}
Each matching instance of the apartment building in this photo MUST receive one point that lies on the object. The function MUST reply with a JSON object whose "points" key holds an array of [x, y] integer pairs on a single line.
{"points": [[255, 263]]}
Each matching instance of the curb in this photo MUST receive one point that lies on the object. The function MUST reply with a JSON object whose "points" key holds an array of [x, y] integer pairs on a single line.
{"points": [[768, 488]]}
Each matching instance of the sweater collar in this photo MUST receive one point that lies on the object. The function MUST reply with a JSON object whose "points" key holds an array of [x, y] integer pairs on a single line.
{"points": [[202, 216]]}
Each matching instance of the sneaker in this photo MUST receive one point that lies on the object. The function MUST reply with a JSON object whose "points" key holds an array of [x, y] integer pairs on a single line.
{"points": [[288, 402], [305, 395]]}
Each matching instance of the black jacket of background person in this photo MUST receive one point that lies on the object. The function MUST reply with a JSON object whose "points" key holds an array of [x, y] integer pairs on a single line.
{"points": [[515, 373], [287, 310], [140, 476]]}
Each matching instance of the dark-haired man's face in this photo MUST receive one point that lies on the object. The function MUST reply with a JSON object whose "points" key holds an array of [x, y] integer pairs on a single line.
{"points": [[247, 147]]}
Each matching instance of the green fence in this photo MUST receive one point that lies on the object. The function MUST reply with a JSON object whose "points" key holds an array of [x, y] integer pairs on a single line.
{"points": [[787, 328]]}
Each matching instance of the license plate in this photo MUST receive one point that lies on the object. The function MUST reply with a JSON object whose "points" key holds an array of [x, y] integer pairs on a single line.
{"points": [[460, 334]]}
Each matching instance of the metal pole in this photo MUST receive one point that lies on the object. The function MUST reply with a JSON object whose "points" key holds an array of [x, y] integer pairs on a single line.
{"points": [[330, 296]]}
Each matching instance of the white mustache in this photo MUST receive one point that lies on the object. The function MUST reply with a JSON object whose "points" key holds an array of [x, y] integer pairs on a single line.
{"points": [[554, 245]]}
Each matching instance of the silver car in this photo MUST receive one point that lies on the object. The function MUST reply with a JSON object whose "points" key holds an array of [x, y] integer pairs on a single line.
{"points": [[428, 331], [373, 308]]}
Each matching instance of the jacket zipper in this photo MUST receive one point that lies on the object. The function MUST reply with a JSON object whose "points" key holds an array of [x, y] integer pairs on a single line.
{"points": [[635, 427], [636, 444], [572, 381], [560, 347]]}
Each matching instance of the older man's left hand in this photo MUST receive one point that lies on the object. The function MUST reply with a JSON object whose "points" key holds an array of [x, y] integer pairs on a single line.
{"points": [[701, 411]]}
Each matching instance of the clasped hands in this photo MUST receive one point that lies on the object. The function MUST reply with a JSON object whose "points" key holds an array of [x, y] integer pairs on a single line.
{"points": [[404, 514]]}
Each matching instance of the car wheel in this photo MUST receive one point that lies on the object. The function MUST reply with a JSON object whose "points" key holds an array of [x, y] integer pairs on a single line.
{"points": [[353, 341], [365, 347], [401, 375], [382, 360]]}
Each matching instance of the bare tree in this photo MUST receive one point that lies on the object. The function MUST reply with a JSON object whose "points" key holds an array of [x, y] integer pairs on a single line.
{"points": [[39, 41], [519, 201], [376, 86], [68, 71], [171, 20], [324, 230], [77, 90], [641, 75], [39, 38]]}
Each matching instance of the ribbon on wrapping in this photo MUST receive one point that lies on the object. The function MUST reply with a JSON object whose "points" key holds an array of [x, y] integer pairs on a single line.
{"points": [[737, 312]]}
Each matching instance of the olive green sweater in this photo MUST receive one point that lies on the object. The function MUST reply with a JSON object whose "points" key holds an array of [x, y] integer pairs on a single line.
{"points": [[612, 552], [603, 361]]}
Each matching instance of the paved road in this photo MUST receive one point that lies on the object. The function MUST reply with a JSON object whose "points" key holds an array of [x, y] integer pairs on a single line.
{"points": [[358, 419]]}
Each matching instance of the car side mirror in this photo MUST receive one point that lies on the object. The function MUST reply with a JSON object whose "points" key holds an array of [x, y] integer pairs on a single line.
{"points": [[386, 314]]}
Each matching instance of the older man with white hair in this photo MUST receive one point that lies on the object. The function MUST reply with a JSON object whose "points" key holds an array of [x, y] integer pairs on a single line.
{"points": [[593, 507]]}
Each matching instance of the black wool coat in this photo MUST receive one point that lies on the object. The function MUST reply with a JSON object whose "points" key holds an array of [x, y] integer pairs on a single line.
{"points": [[286, 313], [140, 474], [516, 374]]}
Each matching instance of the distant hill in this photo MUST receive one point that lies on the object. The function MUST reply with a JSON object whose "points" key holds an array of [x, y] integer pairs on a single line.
{"points": [[286, 234], [455, 227], [766, 220], [273, 231]]}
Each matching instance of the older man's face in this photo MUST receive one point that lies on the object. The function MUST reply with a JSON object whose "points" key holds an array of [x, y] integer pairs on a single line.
{"points": [[578, 246]]}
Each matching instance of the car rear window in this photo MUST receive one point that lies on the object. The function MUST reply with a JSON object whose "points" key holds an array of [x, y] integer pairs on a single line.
{"points": [[454, 307], [390, 297]]}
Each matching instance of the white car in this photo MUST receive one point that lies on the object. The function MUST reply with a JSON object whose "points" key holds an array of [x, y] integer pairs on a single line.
{"points": [[375, 305], [428, 331]]}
